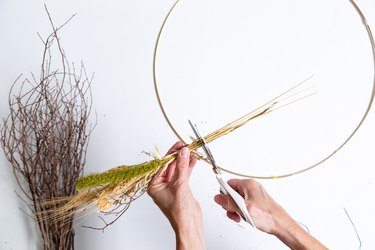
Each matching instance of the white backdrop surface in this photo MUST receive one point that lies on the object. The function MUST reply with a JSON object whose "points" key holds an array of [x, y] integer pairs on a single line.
{"points": [[115, 39]]}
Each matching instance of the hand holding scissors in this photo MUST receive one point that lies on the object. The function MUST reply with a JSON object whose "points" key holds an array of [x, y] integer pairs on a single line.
{"points": [[224, 187]]}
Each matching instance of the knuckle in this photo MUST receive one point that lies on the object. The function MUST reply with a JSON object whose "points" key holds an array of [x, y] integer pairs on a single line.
{"points": [[228, 204], [251, 183]]}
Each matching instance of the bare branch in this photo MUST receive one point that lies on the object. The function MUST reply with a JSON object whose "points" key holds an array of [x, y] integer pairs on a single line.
{"points": [[46, 134]]}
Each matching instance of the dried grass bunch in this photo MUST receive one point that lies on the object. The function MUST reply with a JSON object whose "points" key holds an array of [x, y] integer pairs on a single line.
{"points": [[45, 137], [112, 191]]}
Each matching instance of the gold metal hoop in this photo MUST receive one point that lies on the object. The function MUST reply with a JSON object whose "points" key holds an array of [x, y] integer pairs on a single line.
{"points": [[372, 42]]}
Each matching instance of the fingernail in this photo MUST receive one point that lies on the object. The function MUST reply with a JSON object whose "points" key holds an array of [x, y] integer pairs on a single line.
{"points": [[184, 152], [216, 198]]}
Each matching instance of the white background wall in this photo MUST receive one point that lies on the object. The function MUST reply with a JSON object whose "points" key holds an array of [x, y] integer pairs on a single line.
{"points": [[116, 40]]}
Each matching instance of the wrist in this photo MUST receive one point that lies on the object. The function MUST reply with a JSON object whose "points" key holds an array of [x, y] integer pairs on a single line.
{"points": [[189, 236], [290, 233], [293, 235], [284, 225]]}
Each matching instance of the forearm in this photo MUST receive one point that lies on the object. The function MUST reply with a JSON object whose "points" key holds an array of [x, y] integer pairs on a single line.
{"points": [[294, 236]]}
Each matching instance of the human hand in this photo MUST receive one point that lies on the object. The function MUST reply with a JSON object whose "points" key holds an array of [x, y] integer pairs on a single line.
{"points": [[171, 193], [267, 215], [262, 208]]}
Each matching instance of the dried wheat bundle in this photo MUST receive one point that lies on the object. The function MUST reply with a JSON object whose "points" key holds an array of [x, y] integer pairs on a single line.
{"points": [[112, 191]]}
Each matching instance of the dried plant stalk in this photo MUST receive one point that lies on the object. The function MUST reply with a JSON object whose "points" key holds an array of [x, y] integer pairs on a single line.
{"points": [[112, 191], [45, 137]]}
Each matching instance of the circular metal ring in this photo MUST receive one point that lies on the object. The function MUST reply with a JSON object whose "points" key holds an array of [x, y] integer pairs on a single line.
{"points": [[348, 138]]}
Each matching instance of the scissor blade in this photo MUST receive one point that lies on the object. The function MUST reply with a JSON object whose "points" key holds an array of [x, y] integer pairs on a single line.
{"points": [[205, 148], [195, 131]]}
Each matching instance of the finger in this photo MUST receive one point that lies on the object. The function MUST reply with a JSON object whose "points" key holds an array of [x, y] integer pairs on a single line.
{"points": [[182, 164], [237, 185], [233, 216], [157, 184], [177, 146], [245, 187], [170, 171], [172, 166], [159, 175], [192, 162], [158, 180], [234, 183], [226, 202]]}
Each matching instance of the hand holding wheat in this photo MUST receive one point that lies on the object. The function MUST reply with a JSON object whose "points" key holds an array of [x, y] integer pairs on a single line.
{"points": [[171, 192]]}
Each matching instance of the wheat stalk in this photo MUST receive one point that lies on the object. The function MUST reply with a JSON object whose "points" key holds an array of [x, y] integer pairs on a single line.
{"points": [[112, 191]]}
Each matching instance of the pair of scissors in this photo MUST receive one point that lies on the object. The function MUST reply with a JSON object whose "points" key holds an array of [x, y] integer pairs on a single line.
{"points": [[224, 187]]}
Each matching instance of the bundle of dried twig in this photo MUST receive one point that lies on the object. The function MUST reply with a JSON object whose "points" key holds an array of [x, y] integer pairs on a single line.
{"points": [[45, 137]]}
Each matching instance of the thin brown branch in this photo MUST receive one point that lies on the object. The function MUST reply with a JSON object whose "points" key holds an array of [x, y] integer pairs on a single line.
{"points": [[45, 136]]}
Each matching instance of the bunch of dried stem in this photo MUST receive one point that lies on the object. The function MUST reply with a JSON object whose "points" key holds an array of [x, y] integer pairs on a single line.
{"points": [[112, 191], [46, 134]]}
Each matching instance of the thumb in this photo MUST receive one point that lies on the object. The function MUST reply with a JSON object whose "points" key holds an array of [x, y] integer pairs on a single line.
{"points": [[182, 164]]}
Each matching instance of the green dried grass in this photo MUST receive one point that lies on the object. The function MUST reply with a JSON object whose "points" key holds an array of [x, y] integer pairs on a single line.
{"points": [[119, 174]]}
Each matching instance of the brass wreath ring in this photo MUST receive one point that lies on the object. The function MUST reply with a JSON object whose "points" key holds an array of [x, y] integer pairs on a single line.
{"points": [[372, 42]]}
